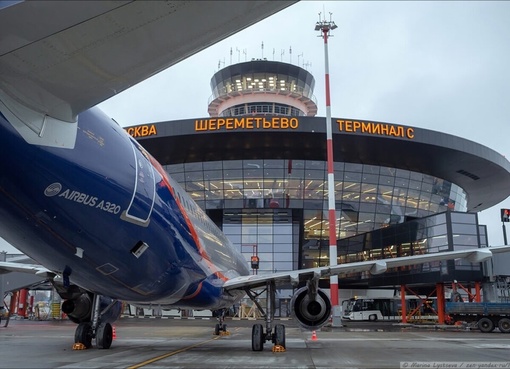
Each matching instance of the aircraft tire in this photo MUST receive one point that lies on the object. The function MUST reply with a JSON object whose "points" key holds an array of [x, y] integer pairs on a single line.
{"points": [[83, 334], [104, 336], [217, 330], [279, 335], [257, 337]]}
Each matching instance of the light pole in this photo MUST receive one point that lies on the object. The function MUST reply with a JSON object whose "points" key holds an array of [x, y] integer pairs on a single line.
{"points": [[325, 27]]}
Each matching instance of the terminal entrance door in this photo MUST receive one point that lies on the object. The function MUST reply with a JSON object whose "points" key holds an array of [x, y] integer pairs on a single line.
{"points": [[273, 234], [270, 233]]}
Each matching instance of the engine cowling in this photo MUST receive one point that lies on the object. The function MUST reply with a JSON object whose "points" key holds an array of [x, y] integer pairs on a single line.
{"points": [[79, 309], [309, 312]]}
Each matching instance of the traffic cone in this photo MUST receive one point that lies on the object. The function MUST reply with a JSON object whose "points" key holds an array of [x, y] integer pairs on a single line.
{"points": [[314, 336], [114, 334]]}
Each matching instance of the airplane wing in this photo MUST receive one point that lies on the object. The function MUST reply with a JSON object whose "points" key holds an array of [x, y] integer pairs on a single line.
{"points": [[8, 267], [373, 266], [67, 56]]}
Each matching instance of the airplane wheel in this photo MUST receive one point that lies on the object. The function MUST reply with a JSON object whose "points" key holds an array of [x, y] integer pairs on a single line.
{"points": [[257, 337], [504, 325], [485, 325], [104, 336], [217, 330], [83, 334], [224, 327], [279, 335]]}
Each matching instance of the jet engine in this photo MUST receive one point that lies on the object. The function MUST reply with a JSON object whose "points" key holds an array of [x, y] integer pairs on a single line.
{"points": [[79, 309], [312, 310]]}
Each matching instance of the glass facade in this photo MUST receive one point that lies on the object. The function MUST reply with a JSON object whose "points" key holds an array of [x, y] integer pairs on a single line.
{"points": [[269, 235], [445, 231], [280, 208]]}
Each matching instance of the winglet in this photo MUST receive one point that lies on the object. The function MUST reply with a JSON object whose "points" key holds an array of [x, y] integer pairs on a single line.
{"points": [[479, 255], [294, 279], [379, 267]]}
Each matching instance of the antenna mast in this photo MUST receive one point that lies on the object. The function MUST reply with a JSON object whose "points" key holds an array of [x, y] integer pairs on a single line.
{"points": [[325, 28]]}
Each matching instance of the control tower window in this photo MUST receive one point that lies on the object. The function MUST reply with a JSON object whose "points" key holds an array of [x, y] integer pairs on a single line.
{"points": [[281, 109]]}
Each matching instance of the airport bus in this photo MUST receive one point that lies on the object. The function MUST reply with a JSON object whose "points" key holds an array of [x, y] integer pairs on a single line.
{"points": [[387, 308]]}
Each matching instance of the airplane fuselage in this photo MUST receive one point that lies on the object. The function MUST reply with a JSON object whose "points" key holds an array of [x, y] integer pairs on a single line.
{"points": [[107, 216]]}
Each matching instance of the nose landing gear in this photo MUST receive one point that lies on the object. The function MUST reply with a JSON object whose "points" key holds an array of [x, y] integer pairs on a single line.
{"points": [[220, 329]]}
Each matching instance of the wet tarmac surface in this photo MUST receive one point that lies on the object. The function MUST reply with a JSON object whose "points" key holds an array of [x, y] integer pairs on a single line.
{"points": [[171, 343]]}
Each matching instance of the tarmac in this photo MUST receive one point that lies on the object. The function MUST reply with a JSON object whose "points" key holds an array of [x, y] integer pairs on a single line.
{"points": [[190, 343]]}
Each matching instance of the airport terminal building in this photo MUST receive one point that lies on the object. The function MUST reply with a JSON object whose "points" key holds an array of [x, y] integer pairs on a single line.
{"points": [[257, 166]]}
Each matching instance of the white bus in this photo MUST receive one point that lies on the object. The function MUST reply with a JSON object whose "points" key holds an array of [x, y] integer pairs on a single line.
{"points": [[387, 308]]}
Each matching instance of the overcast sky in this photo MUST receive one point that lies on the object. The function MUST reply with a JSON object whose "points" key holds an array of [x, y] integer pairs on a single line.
{"points": [[437, 65]]}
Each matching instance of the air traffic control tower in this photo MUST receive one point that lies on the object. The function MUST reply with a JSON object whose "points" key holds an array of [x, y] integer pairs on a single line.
{"points": [[262, 87]]}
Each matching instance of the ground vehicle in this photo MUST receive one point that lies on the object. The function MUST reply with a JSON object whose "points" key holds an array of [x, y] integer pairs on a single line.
{"points": [[386, 308], [365, 309], [488, 315]]}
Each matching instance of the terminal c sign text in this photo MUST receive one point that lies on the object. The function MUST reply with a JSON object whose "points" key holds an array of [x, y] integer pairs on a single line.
{"points": [[382, 129]]}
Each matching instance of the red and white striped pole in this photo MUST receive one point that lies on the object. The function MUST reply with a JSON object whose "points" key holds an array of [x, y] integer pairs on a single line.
{"points": [[325, 27]]}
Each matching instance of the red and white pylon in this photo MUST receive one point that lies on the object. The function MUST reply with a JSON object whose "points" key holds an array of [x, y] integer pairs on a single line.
{"points": [[325, 27]]}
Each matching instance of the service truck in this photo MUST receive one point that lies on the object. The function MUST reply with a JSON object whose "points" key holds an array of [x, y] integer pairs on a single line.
{"points": [[488, 315]]}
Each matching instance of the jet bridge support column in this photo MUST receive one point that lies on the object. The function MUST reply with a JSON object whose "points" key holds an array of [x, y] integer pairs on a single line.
{"points": [[403, 303], [22, 303], [440, 303], [478, 293]]}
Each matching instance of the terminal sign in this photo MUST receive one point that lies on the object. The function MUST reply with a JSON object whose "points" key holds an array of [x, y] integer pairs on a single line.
{"points": [[142, 131], [382, 129], [216, 124]]}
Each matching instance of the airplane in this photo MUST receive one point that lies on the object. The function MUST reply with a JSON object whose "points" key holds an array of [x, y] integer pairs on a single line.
{"points": [[85, 200]]}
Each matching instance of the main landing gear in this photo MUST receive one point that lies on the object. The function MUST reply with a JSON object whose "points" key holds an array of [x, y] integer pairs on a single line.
{"points": [[258, 335]]}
